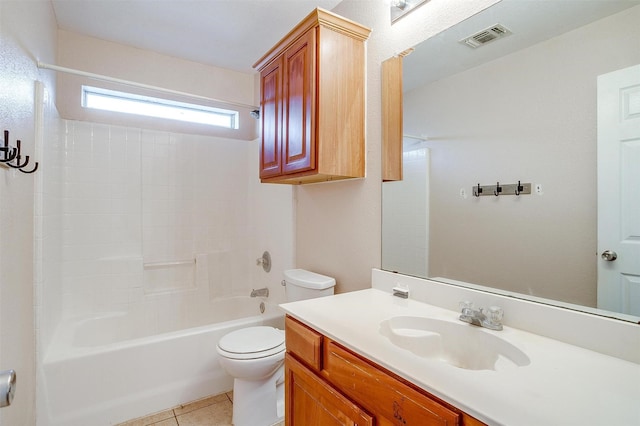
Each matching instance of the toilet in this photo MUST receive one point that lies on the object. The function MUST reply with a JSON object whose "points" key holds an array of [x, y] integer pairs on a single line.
{"points": [[254, 357]]}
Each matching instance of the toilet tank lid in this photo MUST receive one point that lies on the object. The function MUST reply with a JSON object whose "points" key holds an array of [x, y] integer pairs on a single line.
{"points": [[308, 279]]}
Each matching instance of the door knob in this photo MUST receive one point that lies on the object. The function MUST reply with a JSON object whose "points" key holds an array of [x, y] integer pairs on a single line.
{"points": [[609, 255], [7, 387]]}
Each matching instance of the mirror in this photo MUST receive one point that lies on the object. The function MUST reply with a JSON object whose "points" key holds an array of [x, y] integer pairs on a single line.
{"points": [[519, 108]]}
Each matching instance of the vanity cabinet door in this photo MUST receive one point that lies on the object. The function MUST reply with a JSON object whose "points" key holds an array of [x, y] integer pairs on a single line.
{"points": [[389, 400], [313, 402]]}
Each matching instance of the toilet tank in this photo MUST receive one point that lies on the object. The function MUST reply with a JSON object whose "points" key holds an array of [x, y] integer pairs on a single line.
{"points": [[302, 284]]}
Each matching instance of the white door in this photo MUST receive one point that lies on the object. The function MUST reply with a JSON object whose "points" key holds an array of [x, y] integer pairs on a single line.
{"points": [[619, 191]]}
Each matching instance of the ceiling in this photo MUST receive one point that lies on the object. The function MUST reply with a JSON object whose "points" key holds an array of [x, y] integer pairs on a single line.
{"points": [[531, 22], [231, 34]]}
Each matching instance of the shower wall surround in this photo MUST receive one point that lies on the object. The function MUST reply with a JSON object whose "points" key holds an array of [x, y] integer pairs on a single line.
{"points": [[157, 223]]}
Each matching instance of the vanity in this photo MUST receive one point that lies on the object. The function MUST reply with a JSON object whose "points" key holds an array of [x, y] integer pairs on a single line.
{"points": [[356, 388], [366, 357]]}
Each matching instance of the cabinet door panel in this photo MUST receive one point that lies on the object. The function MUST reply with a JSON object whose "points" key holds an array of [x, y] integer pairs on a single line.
{"points": [[391, 401], [299, 107], [310, 401], [271, 116]]}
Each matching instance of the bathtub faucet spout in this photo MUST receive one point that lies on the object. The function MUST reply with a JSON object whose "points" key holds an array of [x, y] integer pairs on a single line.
{"points": [[261, 292]]}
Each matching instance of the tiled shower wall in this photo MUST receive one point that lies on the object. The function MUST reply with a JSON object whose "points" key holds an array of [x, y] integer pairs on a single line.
{"points": [[101, 217], [155, 220]]}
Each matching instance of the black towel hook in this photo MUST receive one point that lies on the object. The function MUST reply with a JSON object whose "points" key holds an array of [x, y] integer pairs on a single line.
{"points": [[18, 157], [30, 171], [11, 154], [519, 189], [478, 191], [498, 189]]}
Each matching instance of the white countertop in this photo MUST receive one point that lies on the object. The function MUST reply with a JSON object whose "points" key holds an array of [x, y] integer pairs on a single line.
{"points": [[563, 385]]}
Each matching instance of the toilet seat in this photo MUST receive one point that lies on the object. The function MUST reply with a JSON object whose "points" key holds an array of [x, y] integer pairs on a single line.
{"points": [[252, 343]]}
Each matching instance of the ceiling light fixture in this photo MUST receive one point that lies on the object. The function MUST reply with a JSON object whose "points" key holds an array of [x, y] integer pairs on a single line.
{"points": [[400, 8], [400, 4]]}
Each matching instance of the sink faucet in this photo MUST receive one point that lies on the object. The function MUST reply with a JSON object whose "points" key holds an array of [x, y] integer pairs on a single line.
{"points": [[489, 318], [261, 292]]}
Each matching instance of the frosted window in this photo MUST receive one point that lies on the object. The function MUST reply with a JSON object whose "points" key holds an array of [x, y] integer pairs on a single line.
{"points": [[129, 103]]}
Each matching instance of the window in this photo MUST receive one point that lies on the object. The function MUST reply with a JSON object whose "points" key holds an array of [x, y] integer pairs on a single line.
{"points": [[129, 103]]}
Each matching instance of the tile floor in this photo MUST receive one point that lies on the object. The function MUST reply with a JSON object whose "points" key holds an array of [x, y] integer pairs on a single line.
{"points": [[212, 411]]}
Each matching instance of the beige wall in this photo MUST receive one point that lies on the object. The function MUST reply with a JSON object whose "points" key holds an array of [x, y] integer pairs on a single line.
{"points": [[529, 116], [338, 229], [27, 32]]}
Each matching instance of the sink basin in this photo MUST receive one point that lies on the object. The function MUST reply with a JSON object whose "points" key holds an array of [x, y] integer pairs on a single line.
{"points": [[459, 344]]}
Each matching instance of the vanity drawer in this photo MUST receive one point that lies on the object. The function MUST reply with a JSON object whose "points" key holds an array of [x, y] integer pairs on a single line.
{"points": [[392, 401], [304, 343]]}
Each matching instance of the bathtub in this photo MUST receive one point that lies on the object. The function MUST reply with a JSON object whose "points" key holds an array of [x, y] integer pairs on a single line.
{"points": [[103, 370]]}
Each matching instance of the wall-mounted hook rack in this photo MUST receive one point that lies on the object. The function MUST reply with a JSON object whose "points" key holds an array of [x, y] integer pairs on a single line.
{"points": [[9, 154], [501, 189]]}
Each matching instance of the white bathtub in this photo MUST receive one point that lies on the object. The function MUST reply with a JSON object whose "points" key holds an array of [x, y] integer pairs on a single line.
{"points": [[101, 371]]}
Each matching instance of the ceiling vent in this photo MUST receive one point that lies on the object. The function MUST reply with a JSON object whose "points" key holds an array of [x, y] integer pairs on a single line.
{"points": [[485, 36]]}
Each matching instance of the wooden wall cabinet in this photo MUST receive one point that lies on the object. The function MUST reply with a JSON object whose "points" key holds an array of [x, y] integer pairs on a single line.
{"points": [[392, 119], [312, 86], [327, 384]]}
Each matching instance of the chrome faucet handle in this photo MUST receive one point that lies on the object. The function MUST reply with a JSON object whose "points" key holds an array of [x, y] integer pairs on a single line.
{"points": [[495, 314], [465, 304], [494, 317], [467, 313], [265, 261]]}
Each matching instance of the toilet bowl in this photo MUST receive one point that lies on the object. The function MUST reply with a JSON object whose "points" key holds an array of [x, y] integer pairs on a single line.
{"points": [[254, 357]]}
